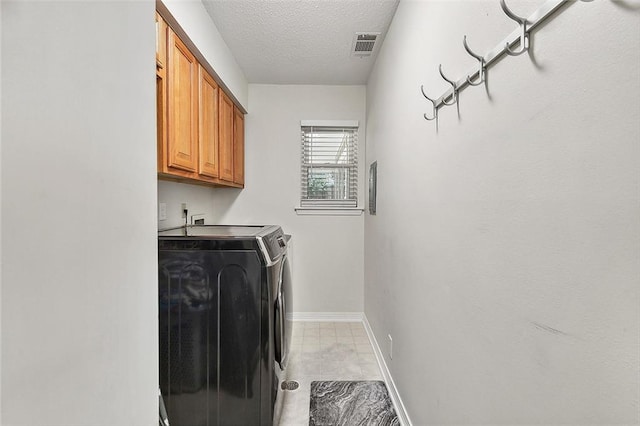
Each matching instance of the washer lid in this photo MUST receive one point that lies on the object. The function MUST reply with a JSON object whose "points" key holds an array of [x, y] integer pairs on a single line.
{"points": [[270, 238], [229, 231]]}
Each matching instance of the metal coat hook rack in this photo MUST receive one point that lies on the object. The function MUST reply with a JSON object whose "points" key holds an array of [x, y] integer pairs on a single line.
{"points": [[519, 39], [435, 108], [454, 90], [482, 68], [524, 33]]}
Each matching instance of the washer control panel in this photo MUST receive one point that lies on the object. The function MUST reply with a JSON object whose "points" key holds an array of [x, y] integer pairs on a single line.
{"points": [[275, 243]]}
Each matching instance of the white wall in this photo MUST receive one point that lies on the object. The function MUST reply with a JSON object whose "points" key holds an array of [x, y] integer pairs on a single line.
{"points": [[199, 200], [79, 256], [328, 250], [0, 216], [194, 19], [504, 256]]}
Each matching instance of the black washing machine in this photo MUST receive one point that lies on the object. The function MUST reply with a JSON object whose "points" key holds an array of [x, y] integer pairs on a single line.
{"points": [[224, 317]]}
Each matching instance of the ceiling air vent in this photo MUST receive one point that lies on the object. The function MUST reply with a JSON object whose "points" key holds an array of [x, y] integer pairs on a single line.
{"points": [[364, 43]]}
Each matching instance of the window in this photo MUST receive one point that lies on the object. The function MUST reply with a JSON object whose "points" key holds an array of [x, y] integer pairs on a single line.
{"points": [[329, 175]]}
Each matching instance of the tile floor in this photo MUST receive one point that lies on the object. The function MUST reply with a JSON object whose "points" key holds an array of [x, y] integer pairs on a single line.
{"points": [[325, 351]]}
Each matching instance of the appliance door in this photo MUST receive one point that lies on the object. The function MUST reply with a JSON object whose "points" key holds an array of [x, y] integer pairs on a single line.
{"points": [[283, 313], [210, 314]]}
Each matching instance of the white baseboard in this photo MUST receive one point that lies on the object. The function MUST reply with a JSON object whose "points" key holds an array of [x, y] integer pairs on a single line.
{"points": [[328, 316], [393, 391]]}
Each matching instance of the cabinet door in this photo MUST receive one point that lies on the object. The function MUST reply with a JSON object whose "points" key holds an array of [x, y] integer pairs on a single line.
{"points": [[161, 123], [182, 106], [238, 146], [226, 137], [208, 131], [161, 42], [161, 89]]}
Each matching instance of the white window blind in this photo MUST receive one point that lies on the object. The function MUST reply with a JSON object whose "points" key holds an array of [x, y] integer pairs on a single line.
{"points": [[329, 174]]}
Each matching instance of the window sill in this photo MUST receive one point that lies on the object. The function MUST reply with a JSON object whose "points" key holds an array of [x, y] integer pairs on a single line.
{"points": [[328, 211]]}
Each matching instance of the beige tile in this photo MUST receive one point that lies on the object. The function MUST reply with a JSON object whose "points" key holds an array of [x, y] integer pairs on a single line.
{"points": [[327, 325], [311, 332], [345, 339], [370, 371], [343, 325], [356, 324], [295, 409], [327, 332], [294, 350], [341, 371], [344, 364], [327, 342], [311, 340], [351, 353], [346, 358], [310, 348], [364, 349], [296, 356], [358, 331], [343, 347], [292, 421], [311, 324], [295, 370], [364, 358], [310, 370], [347, 348], [361, 340], [305, 387], [307, 357], [343, 332]]}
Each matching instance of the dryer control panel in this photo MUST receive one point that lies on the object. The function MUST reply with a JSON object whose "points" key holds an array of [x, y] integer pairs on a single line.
{"points": [[275, 243]]}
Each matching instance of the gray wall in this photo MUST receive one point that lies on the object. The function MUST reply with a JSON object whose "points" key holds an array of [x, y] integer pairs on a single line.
{"points": [[504, 256], [0, 215], [199, 200], [79, 310]]}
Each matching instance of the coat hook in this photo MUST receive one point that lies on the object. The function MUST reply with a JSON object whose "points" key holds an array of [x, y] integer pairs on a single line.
{"points": [[483, 65], [524, 35], [435, 109], [454, 95]]}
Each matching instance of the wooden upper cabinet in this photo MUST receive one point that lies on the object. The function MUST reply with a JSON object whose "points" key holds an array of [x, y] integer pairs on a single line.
{"points": [[161, 43], [238, 146], [225, 121], [161, 89], [182, 106], [208, 131], [199, 129], [161, 120]]}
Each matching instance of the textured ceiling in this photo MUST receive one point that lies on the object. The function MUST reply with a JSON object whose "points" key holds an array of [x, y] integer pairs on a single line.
{"points": [[300, 41]]}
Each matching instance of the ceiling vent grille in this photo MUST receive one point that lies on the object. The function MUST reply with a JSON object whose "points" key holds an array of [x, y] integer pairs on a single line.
{"points": [[364, 43]]}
